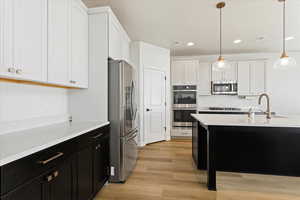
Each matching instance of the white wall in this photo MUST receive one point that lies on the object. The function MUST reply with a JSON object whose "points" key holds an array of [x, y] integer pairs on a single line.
{"points": [[26, 106], [282, 85], [92, 104], [149, 56]]}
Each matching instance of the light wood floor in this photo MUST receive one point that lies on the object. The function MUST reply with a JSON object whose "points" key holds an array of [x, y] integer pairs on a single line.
{"points": [[165, 171]]}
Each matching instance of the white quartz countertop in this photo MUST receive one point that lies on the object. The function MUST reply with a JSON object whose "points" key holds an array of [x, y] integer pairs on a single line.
{"points": [[243, 120], [17, 145]]}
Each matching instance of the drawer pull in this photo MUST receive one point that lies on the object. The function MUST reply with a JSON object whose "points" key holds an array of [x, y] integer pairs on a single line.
{"points": [[97, 136], [49, 178], [44, 162], [98, 146], [55, 174]]}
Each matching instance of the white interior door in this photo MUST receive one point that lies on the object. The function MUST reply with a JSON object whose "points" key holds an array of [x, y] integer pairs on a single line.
{"points": [[154, 105]]}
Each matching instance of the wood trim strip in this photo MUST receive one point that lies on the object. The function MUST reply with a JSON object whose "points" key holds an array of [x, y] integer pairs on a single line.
{"points": [[35, 83]]}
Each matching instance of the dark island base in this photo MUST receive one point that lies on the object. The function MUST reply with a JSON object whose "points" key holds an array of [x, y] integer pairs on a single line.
{"points": [[261, 150]]}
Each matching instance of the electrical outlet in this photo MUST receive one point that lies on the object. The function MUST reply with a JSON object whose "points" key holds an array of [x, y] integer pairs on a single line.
{"points": [[112, 171]]}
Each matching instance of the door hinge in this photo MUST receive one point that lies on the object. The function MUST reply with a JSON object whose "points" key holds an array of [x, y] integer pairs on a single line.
{"points": [[165, 129], [165, 78], [165, 103]]}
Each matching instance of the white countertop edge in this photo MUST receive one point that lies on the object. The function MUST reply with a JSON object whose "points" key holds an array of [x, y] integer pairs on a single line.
{"points": [[31, 151], [248, 124]]}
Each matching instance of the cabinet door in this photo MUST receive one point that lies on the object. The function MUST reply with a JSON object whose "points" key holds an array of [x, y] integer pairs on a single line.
{"points": [[85, 173], [231, 73], [59, 41], [125, 47], [6, 38], [30, 39], [62, 186], [204, 79], [79, 64], [101, 163], [115, 39], [257, 77], [33, 191], [178, 72], [191, 69], [217, 75], [244, 78]]}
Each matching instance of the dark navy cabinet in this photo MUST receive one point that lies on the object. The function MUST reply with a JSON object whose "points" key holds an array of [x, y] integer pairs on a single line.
{"points": [[74, 170]]}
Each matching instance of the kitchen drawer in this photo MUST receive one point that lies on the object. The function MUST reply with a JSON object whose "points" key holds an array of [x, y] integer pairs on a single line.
{"points": [[25, 169], [91, 137]]}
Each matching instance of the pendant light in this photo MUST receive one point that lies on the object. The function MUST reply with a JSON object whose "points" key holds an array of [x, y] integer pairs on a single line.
{"points": [[221, 64], [285, 61]]}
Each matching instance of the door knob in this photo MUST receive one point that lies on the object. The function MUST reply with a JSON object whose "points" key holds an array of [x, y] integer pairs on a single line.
{"points": [[148, 109]]}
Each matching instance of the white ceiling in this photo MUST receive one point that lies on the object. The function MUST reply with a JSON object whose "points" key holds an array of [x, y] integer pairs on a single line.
{"points": [[163, 22]]}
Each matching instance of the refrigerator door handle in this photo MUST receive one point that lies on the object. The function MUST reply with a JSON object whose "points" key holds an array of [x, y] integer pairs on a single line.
{"points": [[133, 136], [133, 111]]}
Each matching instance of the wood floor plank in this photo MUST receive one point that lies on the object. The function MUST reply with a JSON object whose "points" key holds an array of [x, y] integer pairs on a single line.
{"points": [[166, 171]]}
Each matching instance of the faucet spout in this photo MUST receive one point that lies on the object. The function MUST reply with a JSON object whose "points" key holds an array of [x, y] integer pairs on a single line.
{"points": [[268, 112]]}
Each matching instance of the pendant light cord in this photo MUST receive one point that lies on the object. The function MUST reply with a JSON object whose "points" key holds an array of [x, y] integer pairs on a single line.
{"points": [[221, 32], [284, 27]]}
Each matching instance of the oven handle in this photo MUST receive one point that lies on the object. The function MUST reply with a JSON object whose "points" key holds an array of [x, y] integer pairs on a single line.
{"points": [[191, 109]]}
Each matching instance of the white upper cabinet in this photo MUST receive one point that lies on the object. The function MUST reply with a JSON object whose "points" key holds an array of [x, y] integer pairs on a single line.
{"points": [[40, 43], [6, 39], [115, 40], [119, 42], [251, 78], [204, 79], [258, 77], [185, 72], [79, 50], [229, 74], [126, 47], [191, 68], [178, 72], [24, 36], [59, 43]]}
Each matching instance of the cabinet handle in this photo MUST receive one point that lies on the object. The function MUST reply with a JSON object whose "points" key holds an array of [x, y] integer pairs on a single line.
{"points": [[97, 136], [49, 178], [44, 162], [55, 174], [11, 70], [19, 71]]}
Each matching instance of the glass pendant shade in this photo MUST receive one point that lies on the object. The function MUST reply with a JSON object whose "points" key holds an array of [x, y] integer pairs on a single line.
{"points": [[285, 62], [221, 65]]}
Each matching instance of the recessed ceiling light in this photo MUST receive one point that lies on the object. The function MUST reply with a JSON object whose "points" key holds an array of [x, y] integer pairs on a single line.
{"points": [[237, 41], [289, 38], [190, 44]]}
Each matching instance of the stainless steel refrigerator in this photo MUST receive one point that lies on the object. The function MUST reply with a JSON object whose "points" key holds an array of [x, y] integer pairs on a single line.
{"points": [[122, 116]]}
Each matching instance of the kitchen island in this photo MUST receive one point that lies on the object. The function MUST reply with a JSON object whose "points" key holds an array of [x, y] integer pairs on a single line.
{"points": [[235, 143]]}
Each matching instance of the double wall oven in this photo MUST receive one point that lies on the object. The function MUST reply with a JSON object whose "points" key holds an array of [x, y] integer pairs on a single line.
{"points": [[184, 104]]}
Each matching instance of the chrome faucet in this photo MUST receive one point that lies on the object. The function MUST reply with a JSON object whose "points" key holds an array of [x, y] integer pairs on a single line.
{"points": [[268, 112]]}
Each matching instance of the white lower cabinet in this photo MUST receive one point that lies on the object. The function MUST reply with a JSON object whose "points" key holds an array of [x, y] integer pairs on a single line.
{"points": [[251, 78], [204, 79]]}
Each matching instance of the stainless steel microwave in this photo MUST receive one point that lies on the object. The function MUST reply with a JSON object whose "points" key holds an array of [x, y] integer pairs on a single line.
{"points": [[224, 88]]}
